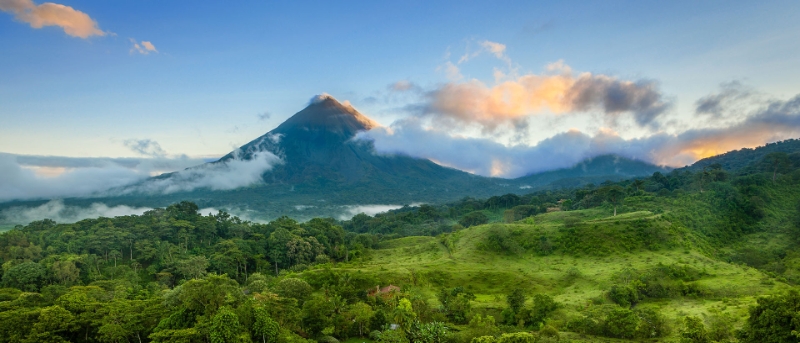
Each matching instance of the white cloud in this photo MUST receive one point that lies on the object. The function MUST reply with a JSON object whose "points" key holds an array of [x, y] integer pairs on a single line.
{"points": [[371, 210], [222, 175], [57, 211]]}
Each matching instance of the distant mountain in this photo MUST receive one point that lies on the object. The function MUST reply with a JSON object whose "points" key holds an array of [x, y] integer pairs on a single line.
{"points": [[594, 170], [738, 159], [322, 168]]}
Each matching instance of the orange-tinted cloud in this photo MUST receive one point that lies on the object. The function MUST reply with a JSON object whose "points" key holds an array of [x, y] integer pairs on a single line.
{"points": [[143, 47], [556, 92], [74, 23]]}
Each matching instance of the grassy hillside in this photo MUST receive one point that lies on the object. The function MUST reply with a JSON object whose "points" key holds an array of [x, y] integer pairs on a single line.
{"points": [[577, 276]]}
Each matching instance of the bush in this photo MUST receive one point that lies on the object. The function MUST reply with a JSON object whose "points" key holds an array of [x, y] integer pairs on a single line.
{"points": [[543, 305], [374, 335], [548, 332], [622, 323], [773, 319], [623, 295], [328, 339], [694, 331], [499, 240], [293, 288], [517, 337], [393, 336], [473, 218]]}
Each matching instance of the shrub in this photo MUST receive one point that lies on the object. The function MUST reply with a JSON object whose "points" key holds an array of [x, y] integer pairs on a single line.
{"points": [[694, 331], [328, 339], [517, 337], [293, 288], [374, 335], [543, 305], [623, 295], [473, 218], [622, 323]]}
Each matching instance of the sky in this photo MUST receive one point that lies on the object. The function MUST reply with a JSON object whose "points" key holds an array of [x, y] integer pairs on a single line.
{"points": [[96, 94]]}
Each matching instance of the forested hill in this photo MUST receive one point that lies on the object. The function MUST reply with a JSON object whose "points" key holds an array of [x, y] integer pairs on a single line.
{"points": [[676, 256], [593, 170], [738, 159]]}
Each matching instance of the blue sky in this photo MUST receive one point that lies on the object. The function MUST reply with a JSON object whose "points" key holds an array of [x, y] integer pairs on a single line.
{"points": [[217, 66]]}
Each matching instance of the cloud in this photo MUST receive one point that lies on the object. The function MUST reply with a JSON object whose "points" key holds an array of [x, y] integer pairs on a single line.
{"points": [[20, 180], [57, 211], [145, 147], [486, 46], [264, 116], [558, 91], [776, 121], [733, 96], [371, 210], [143, 47], [222, 175], [25, 177], [403, 86], [74, 23]]}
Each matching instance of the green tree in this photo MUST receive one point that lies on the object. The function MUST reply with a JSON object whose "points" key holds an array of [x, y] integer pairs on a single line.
{"points": [[361, 314], [225, 327], [265, 329], [52, 324], [455, 304], [277, 247], [206, 296], [622, 323], [27, 276], [694, 331], [543, 306], [614, 195], [774, 319], [473, 218], [404, 314], [294, 288], [777, 161], [66, 272]]}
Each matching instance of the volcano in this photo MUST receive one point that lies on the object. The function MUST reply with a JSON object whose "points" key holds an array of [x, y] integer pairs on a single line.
{"points": [[318, 146]]}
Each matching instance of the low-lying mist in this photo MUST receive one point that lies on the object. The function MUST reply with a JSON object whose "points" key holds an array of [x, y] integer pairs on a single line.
{"points": [[56, 210]]}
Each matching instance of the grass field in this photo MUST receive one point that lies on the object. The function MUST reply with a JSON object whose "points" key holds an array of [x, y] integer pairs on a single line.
{"points": [[577, 280]]}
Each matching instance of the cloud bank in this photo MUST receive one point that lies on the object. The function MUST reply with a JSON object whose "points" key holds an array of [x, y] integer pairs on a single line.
{"points": [[775, 121], [43, 177], [226, 175], [57, 211], [26, 177], [74, 23]]}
